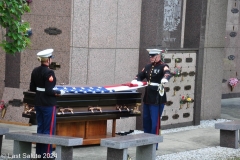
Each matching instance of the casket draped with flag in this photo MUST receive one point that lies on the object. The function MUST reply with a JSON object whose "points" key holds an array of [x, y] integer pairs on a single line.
{"points": [[83, 111]]}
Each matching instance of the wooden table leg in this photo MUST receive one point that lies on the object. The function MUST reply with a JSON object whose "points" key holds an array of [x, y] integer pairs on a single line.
{"points": [[113, 127]]}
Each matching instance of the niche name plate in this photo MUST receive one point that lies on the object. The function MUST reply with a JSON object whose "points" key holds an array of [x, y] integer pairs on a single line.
{"points": [[52, 31], [177, 88], [188, 60], [191, 73], [184, 74], [167, 60], [186, 115], [234, 10], [188, 87], [169, 103], [233, 34], [164, 118], [175, 116], [231, 57], [167, 89], [16, 102]]}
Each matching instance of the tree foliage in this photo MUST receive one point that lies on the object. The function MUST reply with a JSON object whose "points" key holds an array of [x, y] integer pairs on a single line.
{"points": [[15, 39]]}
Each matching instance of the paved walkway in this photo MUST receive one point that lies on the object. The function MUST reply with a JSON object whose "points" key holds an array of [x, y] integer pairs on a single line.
{"points": [[172, 142]]}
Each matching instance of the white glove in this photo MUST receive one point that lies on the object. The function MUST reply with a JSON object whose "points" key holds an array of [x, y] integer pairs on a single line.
{"points": [[137, 82], [134, 81], [164, 80], [62, 92]]}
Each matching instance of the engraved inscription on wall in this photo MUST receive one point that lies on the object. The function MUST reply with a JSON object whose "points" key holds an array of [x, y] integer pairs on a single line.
{"points": [[172, 14]]}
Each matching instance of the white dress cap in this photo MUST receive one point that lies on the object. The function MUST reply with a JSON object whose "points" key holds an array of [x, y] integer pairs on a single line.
{"points": [[45, 53], [154, 51]]}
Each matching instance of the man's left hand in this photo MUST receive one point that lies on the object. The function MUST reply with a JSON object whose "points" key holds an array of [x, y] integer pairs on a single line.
{"points": [[164, 80]]}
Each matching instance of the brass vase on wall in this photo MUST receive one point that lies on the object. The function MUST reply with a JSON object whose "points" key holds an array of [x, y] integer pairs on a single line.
{"points": [[3, 112]]}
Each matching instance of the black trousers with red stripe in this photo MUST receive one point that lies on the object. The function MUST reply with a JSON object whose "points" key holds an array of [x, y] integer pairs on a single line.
{"points": [[46, 121]]}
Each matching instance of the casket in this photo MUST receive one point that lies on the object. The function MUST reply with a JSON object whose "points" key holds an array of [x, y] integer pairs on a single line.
{"points": [[84, 111]]}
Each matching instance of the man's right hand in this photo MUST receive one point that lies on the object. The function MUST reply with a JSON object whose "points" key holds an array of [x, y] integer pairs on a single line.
{"points": [[134, 81], [139, 83]]}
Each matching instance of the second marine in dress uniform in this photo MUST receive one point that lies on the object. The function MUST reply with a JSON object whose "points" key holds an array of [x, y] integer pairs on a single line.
{"points": [[156, 73], [42, 82]]}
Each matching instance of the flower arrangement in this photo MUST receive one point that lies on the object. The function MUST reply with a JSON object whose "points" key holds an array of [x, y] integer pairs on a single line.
{"points": [[185, 99], [177, 72], [3, 108], [232, 82]]}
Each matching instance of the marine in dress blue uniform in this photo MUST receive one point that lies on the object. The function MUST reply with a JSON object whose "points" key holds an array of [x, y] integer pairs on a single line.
{"points": [[156, 73], [42, 82]]}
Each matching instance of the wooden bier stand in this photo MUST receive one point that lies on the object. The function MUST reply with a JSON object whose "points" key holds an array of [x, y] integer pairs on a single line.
{"points": [[91, 129]]}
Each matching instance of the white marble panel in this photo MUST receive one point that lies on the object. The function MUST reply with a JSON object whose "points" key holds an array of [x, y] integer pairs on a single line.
{"points": [[212, 79], [103, 24], [101, 66], [80, 23], [232, 17], [217, 11], [216, 23], [231, 41], [128, 23], [78, 66], [126, 65], [230, 64]]}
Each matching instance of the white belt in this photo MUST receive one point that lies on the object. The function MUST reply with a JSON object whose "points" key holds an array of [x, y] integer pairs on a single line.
{"points": [[40, 89], [153, 84]]}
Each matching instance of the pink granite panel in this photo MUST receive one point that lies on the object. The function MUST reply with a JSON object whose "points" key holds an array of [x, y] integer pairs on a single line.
{"points": [[61, 41], [29, 62], [14, 113], [51, 7], [38, 24], [2, 71], [2, 65], [62, 74], [2, 85], [40, 39]]}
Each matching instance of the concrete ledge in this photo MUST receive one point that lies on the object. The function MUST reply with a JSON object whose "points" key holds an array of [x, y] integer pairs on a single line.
{"points": [[23, 144], [145, 143], [229, 134], [131, 140], [232, 126], [3, 130], [44, 138]]}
